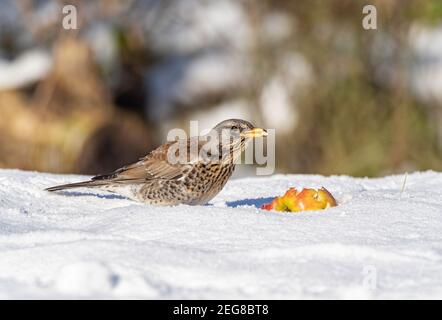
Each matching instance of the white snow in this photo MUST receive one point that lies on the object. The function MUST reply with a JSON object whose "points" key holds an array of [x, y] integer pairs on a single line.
{"points": [[378, 243]]}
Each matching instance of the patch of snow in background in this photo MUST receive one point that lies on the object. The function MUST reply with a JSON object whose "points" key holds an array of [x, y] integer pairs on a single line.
{"points": [[103, 46], [188, 26], [294, 73], [92, 244], [28, 68], [187, 80], [426, 69]]}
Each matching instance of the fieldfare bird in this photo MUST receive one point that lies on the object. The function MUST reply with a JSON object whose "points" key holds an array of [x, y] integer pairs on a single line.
{"points": [[185, 171]]}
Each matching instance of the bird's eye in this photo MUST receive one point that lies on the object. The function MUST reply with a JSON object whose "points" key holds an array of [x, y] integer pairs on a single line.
{"points": [[235, 128]]}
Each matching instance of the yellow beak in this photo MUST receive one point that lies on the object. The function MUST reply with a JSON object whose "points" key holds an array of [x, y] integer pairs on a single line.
{"points": [[254, 133]]}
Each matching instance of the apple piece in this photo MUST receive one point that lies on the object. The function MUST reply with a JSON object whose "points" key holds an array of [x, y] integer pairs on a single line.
{"points": [[267, 206], [291, 192], [291, 200], [325, 196], [277, 204], [307, 200]]}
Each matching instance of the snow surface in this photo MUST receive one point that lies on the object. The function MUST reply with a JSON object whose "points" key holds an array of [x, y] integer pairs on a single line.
{"points": [[378, 243]]}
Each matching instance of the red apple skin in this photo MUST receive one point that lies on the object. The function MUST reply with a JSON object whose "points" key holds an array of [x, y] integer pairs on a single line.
{"points": [[267, 206]]}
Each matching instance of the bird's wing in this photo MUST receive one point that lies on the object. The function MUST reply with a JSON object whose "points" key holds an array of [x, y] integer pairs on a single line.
{"points": [[156, 165]]}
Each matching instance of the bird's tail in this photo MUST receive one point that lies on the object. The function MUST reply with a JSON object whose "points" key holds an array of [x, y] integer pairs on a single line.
{"points": [[86, 184]]}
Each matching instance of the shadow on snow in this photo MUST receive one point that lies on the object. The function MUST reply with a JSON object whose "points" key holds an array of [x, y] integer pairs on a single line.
{"points": [[257, 202], [90, 194]]}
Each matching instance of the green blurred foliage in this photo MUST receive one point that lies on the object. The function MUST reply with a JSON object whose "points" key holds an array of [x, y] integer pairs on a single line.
{"points": [[348, 122]]}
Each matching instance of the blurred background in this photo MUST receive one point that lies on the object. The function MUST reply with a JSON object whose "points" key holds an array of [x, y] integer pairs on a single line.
{"points": [[343, 100]]}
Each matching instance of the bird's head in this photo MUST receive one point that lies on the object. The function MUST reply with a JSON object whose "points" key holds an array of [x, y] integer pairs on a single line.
{"points": [[231, 137], [240, 129]]}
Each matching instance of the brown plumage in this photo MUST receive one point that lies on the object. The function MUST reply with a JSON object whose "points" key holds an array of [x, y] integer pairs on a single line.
{"points": [[190, 171]]}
